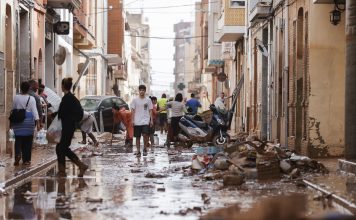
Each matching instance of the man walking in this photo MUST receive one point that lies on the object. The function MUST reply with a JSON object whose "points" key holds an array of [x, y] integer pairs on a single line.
{"points": [[162, 105], [141, 108], [193, 104]]}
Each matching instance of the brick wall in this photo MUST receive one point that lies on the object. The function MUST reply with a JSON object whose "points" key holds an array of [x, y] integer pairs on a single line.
{"points": [[116, 28]]}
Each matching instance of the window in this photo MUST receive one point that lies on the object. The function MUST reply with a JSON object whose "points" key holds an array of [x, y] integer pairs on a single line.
{"points": [[89, 104], [118, 101], [106, 103], [237, 3]]}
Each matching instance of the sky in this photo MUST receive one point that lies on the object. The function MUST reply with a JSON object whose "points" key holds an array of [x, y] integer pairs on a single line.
{"points": [[162, 15]]}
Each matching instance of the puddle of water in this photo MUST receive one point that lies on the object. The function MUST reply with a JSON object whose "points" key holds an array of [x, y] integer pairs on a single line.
{"points": [[130, 195]]}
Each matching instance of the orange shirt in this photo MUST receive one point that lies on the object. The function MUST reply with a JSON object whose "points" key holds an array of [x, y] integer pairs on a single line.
{"points": [[124, 116]]}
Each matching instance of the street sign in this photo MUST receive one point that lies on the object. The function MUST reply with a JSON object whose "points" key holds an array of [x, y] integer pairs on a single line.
{"points": [[181, 86], [61, 28]]}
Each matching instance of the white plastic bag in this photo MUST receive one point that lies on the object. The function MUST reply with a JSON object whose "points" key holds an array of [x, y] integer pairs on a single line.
{"points": [[41, 137], [11, 135], [54, 131]]}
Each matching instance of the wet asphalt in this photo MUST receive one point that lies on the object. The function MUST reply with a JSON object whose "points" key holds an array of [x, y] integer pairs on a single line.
{"points": [[119, 185]]}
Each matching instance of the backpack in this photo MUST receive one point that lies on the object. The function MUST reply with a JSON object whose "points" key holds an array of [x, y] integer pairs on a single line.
{"points": [[18, 115]]}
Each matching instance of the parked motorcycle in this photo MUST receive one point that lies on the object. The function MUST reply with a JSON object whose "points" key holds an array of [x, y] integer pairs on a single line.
{"points": [[195, 130]]}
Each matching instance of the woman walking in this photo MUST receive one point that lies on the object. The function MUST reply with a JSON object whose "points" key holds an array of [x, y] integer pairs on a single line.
{"points": [[177, 110], [69, 112], [24, 130]]}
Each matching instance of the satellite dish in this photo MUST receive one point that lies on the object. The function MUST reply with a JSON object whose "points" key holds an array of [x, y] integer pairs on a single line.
{"points": [[262, 48], [60, 55]]}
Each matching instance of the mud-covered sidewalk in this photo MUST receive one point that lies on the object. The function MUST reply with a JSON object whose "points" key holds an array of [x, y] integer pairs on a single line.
{"points": [[160, 186]]}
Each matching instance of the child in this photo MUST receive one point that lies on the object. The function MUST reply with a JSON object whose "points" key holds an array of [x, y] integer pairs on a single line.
{"points": [[86, 126], [124, 116]]}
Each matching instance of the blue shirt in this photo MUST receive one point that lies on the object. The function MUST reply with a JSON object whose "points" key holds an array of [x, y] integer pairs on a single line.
{"points": [[194, 104]]}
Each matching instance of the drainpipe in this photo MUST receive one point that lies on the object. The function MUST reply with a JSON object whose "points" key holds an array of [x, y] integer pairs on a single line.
{"points": [[269, 79], [286, 73]]}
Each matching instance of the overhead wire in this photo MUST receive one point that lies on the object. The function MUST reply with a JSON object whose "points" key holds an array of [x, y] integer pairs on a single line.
{"points": [[143, 8], [166, 38]]}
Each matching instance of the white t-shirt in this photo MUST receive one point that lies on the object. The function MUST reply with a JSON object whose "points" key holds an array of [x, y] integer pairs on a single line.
{"points": [[178, 108], [20, 103], [142, 109], [220, 103]]}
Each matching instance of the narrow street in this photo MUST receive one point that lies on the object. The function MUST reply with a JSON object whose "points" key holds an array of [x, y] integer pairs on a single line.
{"points": [[121, 186]]}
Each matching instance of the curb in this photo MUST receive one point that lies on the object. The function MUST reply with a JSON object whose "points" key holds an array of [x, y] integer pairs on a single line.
{"points": [[22, 175], [31, 171], [347, 166]]}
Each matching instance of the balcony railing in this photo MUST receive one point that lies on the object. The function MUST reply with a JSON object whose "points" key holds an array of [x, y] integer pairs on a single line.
{"points": [[259, 10], [231, 24], [120, 73]]}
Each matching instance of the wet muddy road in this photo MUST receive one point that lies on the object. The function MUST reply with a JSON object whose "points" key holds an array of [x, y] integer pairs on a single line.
{"points": [[120, 186]]}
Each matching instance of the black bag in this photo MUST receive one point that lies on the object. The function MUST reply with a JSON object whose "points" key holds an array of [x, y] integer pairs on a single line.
{"points": [[18, 115]]}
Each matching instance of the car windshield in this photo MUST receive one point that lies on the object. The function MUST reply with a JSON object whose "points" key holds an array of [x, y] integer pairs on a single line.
{"points": [[89, 104]]}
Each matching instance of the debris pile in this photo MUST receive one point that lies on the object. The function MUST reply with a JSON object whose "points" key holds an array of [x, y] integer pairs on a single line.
{"points": [[251, 159]]}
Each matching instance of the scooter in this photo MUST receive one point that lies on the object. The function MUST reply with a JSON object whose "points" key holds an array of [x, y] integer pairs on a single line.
{"points": [[195, 130]]}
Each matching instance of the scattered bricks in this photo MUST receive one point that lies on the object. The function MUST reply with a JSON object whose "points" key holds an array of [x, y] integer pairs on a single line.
{"points": [[285, 166], [295, 173], [268, 170], [221, 164], [233, 180], [161, 189]]}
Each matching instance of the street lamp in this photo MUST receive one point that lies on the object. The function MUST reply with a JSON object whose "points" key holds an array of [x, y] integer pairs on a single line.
{"points": [[335, 16]]}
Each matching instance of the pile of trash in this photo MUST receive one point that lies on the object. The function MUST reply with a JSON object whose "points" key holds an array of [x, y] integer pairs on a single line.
{"points": [[251, 159]]}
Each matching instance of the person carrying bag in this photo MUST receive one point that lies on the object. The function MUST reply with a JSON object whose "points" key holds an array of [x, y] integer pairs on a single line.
{"points": [[23, 123], [18, 115]]}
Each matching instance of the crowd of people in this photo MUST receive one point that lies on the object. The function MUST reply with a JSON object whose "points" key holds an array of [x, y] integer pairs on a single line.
{"points": [[146, 116], [33, 100], [149, 114]]}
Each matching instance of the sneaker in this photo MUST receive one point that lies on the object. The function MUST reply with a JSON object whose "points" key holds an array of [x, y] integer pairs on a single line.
{"points": [[138, 154], [144, 152]]}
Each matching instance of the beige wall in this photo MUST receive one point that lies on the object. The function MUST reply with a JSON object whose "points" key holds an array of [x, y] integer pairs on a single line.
{"points": [[327, 81], [38, 42], [5, 47]]}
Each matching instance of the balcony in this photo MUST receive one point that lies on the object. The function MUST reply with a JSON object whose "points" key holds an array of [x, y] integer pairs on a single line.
{"points": [[231, 24], [260, 10], [214, 58], [194, 86], [69, 4], [120, 73]]}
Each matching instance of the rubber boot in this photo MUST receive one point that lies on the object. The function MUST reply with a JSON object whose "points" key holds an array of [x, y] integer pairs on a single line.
{"points": [[17, 160], [61, 171], [82, 167]]}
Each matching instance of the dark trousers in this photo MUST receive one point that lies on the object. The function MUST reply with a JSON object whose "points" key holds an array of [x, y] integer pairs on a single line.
{"points": [[175, 125], [23, 146], [62, 148]]}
